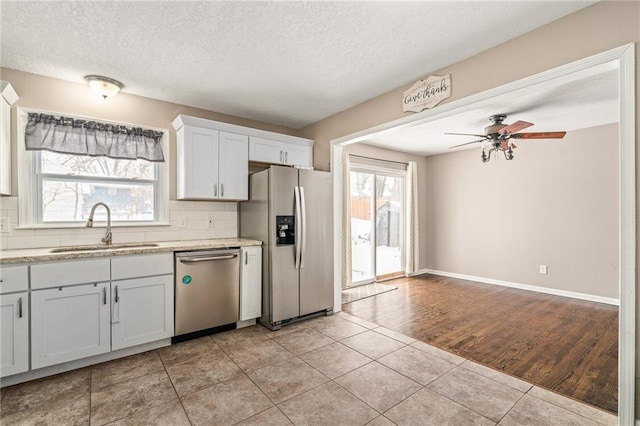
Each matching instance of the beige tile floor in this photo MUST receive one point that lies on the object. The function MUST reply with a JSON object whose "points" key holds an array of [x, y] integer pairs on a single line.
{"points": [[337, 370]]}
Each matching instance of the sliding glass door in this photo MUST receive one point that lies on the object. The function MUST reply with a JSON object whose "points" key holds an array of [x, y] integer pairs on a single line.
{"points": [[377, 224]]}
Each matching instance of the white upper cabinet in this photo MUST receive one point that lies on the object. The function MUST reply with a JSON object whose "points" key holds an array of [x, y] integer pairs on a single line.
{"points": [[265, 150], [211, 164], [213, 157], [234, 170], [8, 98], [298, 155], [293, 152], [197, 163]]}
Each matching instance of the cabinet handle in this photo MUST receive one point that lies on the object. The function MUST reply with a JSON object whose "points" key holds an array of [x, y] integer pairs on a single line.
{"points": [[1, 280], [215, 189], [104, 295], [20, 307], [281, 157], [116, 299], [246, 258], [286, 157]]}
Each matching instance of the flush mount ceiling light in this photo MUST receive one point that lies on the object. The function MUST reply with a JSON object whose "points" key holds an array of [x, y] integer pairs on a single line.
{"points": [[103, 86]]}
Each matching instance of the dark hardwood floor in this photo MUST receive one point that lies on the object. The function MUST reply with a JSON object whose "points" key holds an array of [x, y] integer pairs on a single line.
{"points": [[565, 345]]}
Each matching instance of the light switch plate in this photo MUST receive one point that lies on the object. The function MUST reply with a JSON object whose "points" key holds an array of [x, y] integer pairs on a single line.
{"points": [[543, 269]]}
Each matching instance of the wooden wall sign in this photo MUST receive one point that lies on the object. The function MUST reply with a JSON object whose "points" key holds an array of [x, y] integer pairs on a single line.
{"points": [[426, 93]]}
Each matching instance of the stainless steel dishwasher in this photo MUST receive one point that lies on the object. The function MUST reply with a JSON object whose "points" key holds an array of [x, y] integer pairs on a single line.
{"points": [[207, 289]]}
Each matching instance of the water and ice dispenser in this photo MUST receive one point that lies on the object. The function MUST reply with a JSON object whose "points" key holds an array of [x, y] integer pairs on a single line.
{"points": [[285, 230]]}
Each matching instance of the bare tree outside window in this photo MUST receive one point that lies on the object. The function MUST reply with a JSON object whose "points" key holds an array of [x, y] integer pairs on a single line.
{"points": [[71, 184]]}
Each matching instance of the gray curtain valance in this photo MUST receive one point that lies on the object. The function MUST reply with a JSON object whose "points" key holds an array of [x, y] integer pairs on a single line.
{"points": [[82, 137]]}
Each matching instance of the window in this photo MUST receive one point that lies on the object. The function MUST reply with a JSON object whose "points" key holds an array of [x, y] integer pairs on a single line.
{"points": [[58, 190], [68, 185]]}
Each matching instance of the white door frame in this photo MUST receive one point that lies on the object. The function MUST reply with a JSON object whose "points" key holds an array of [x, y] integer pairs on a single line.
{"points": [[622, 58]]}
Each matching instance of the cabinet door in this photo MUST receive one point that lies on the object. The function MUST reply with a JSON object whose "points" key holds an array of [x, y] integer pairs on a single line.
{"points": [[265, 150], [234, 166], [298, 155], [5, 147], [198, 163], [69, 323], [251, 283], [14, 334], [142, 310]]}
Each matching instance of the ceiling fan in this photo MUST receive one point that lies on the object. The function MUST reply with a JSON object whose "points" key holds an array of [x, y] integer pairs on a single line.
{"points": [[500, 135]]}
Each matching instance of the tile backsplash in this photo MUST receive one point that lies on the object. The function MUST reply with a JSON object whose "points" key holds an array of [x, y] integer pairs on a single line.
{"points": [[194, 215]]}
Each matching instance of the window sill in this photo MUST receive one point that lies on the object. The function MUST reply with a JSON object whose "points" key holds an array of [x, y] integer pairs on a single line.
{"points": [[95, 225]]}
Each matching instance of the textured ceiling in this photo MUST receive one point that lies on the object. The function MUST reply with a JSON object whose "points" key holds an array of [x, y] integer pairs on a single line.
{"points": [[287, 63]]}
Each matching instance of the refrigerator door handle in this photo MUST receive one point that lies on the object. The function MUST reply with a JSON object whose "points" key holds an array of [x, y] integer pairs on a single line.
{"points": [[304, 227], [298, 227]]}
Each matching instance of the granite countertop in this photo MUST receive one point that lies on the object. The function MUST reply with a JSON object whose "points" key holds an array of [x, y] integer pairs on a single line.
{"points": [[45, 254]]}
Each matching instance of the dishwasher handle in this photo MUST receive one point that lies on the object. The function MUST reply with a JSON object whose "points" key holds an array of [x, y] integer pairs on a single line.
{"points": [[208, 258]]}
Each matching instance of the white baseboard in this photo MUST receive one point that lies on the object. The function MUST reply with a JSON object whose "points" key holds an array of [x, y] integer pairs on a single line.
{"points": [[528, 287]]}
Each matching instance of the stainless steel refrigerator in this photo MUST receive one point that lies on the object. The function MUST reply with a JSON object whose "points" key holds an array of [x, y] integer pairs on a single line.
{"points": [[290, 211]]}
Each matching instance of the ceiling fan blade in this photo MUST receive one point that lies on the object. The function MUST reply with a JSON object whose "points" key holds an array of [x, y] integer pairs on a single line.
{"points": [[539, 135], [467, 143], [467, 134], [515, 127]]}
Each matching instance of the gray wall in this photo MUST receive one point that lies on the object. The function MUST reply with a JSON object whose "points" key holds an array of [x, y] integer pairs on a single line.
{"points": [[556, 204]]}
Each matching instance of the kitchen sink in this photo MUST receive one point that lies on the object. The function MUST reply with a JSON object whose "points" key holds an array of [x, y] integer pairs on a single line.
{"points": [[101, 247]]}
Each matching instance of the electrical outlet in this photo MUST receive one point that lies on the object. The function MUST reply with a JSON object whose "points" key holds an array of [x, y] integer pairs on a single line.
{"points": [[182, 222], [543, 269], [4, 224], [211, 222]]}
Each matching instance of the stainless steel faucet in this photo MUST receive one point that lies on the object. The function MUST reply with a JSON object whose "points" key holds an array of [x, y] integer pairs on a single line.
{"points": [[107, 238]]}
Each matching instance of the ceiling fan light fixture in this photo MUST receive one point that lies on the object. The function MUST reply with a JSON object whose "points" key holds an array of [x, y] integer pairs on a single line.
{"points": [[105, 87], [498, 135]]}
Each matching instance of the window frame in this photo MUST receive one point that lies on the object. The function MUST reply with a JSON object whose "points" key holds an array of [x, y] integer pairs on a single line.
{"points": [[30, 182]]}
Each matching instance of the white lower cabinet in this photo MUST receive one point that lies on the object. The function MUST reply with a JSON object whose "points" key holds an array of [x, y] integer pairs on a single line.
{"points": [[142, 310], [69, 323], [14, 333], [251, 283], [83, 308]]}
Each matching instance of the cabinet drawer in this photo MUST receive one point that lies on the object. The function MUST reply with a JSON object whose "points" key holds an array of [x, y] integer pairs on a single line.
{"points": [[58, 274], [141, 265], [14, 278]]}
